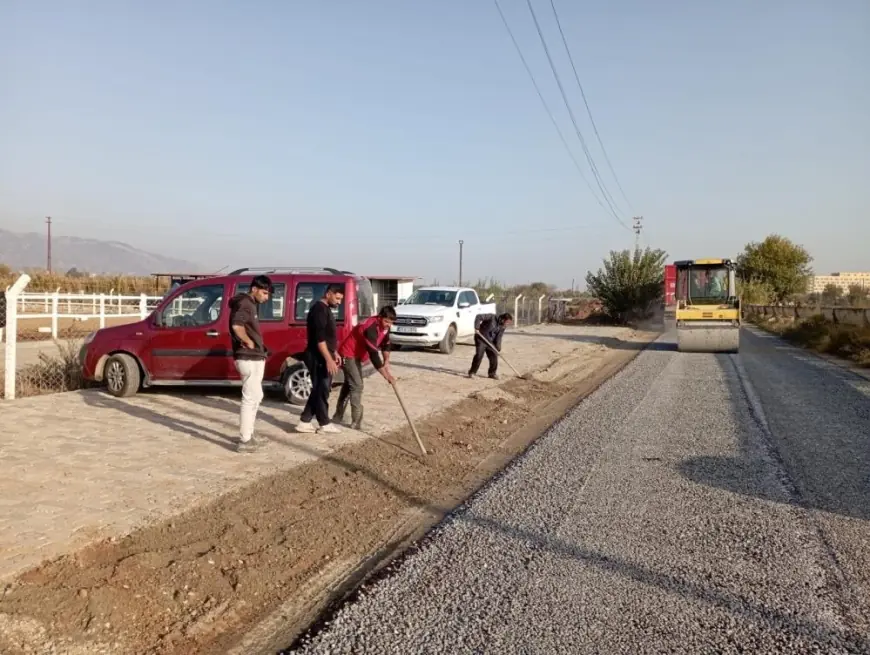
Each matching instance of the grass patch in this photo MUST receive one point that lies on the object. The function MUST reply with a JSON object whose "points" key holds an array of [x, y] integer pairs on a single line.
{"points": [[821, 335], [52, 373]]}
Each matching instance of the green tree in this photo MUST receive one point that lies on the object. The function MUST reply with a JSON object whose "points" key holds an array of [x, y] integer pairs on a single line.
{"points": [[857, 295], [832, 294], [754, 293], [778, 263], [629, 284]]}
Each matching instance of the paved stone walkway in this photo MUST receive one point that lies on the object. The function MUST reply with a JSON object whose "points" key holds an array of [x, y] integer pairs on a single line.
{"points": [[83, 466]]}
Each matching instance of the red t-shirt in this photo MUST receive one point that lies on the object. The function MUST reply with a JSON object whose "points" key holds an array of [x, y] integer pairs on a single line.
{"points": [[365, 341]]}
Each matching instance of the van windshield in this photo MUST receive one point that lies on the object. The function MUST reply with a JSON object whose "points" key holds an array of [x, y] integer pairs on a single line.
{"points": [[432, 297]]}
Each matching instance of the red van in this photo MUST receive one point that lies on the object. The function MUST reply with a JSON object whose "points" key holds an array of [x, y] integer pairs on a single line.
{"points": [[186, 339]]}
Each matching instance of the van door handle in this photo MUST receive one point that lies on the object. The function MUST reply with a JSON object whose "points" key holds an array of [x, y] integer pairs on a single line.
{"points": [[212, 333]]}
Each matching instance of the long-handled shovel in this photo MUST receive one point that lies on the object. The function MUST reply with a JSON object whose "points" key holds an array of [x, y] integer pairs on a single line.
{"points": [[408, 416], [495, 350]]}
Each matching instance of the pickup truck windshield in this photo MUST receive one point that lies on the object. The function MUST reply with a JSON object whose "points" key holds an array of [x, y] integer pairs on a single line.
{"points": [[432, 297]]}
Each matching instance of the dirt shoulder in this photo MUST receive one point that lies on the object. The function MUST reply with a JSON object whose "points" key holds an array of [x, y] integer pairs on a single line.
{"points": [[218, 577]]}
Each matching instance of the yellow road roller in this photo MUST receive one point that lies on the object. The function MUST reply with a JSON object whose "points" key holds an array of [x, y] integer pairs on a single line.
{"points": [[708, 309]]}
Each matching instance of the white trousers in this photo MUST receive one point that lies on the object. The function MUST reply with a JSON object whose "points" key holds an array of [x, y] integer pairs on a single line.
{"points": [[252, 394]]}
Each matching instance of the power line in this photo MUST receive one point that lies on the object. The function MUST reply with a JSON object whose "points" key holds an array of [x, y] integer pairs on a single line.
{"points": [[589, 158], [588, 110], [549, 111]]}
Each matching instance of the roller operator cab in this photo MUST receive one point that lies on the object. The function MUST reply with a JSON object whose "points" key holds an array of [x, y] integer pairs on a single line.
{"points": [[708, 309]]}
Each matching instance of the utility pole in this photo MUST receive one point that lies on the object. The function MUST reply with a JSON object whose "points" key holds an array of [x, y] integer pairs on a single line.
{"points": [[637, 228], [460, 261], [48, 245]]}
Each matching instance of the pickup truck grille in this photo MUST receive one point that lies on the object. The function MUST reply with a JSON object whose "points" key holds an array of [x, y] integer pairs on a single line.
{"points": [[417, 321]]}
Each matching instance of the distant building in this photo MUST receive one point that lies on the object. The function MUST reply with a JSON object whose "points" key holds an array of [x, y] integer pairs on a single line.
{"points": [[842, 280], [390, 289]]}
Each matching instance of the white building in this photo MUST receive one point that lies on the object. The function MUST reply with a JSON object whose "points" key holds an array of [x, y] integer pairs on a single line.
{"points": [[842, 280], [390, 289]]}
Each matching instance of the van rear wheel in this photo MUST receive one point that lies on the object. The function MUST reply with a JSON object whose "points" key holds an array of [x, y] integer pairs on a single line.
{"points": [[297, 384], [122, 375]]}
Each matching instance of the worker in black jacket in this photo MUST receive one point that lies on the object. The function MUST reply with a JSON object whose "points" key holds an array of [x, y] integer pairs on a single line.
{"points": [[491, 327]]}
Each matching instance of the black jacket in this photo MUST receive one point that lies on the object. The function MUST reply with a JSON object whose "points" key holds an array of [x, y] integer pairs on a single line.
{"points": [[244, 312], [490, 327]]}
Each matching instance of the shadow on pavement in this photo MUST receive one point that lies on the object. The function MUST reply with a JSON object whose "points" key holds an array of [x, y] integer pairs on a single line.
{"points": [[818, 418], [193, 429]]}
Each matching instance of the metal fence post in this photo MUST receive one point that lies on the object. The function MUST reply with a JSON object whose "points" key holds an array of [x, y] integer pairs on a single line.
{"points": [[12, 334], [143, 306], [102, 310], [517, 308], [55, 310], [540, 300]]}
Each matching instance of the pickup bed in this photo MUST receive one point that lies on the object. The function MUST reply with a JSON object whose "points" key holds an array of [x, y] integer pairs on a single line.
{"points": [[437, 316]]}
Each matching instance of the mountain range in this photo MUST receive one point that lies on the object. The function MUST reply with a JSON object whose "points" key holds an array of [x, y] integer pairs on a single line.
{"points": [[28, 250]]}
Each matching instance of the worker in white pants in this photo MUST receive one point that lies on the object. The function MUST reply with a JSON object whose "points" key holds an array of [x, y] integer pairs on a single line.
{"points": [[251, 371], [249, 355]]}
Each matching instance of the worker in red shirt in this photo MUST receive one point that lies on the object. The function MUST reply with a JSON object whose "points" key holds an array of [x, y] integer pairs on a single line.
{"points": [[366, 341]]}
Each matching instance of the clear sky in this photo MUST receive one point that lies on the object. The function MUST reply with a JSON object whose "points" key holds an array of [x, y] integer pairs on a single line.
{"points": [[374, 134]]}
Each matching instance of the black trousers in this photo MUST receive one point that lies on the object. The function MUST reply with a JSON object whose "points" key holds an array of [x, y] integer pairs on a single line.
{"points": [[480, 348], [321, 385]]}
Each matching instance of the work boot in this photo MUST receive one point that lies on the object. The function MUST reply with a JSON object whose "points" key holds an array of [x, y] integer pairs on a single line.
{"points": [[252, 445], [470, 374], [340, 410], [493, 376], [356, 419]]}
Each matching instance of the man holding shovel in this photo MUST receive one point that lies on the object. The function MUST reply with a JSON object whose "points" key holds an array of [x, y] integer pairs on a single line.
{"points": [[492, 328], [366, 341]]}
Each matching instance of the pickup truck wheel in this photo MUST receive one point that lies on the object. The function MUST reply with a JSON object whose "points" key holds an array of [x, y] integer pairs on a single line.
{"points": [[297, 384], [122, 375], [449, 341]]}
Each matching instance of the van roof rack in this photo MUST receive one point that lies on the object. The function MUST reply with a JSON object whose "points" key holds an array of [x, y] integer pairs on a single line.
{"points": [[314, 270]]}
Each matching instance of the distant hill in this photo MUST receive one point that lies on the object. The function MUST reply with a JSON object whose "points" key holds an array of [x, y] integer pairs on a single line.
{"points": [[92, 255]]}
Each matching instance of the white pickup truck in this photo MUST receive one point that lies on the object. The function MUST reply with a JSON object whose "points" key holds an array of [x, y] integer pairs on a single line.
{"points": [[437, 316]]}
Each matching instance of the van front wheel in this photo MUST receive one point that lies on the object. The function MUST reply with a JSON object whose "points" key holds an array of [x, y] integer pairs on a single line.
{"points": [[122, 375]]}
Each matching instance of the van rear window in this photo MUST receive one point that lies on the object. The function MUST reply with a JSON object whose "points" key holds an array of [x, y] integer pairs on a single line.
{"points": [[308, 293], [365, 298], [272, 309]]}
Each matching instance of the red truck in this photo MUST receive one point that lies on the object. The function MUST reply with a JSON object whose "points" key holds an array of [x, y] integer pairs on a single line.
{"points": [[670, 301]]}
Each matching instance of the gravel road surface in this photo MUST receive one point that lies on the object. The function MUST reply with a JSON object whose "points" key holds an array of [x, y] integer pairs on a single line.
{"points": [[694, 504]]}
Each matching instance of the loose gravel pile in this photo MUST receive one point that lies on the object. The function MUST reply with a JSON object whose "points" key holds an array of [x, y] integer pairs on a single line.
{"points": [[658, 516]]}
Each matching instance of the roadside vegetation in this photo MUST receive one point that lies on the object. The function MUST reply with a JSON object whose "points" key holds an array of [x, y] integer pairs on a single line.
{"points": [[821, 335], [53, 373], [630, 285], [74, 281]]}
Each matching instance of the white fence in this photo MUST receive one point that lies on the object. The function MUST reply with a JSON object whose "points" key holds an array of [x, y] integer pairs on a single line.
{"points": [[53, 308], [31, 317]]}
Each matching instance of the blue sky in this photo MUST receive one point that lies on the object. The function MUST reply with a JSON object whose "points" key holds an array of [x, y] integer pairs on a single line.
{"points": [[374, 135]]}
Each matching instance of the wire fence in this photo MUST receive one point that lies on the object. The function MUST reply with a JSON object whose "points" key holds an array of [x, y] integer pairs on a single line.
{"points": [[42, 334]]}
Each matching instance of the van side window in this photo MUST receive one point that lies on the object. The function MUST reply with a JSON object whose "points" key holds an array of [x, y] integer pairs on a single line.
{"points": [[308, 293], [272, 309], [195, 307]]}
